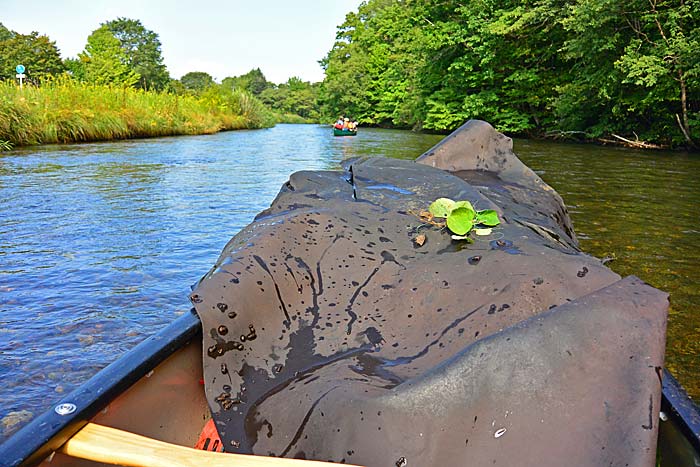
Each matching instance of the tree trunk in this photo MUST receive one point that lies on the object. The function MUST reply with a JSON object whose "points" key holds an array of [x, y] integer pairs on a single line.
{"points": [[684, 124]]}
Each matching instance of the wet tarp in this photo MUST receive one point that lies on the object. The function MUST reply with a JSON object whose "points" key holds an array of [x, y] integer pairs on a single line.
{"points": [[330, 334]]}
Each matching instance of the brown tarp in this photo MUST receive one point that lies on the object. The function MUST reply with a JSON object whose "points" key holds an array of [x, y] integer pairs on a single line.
{"points": [[330, 334]]}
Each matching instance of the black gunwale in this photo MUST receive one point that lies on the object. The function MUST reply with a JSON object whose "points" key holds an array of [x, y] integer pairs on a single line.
{"points": [[680, 407], [49, 431]]}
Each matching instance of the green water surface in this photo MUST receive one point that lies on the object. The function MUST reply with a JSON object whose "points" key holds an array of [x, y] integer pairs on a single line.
{"points": [[643, 209]]}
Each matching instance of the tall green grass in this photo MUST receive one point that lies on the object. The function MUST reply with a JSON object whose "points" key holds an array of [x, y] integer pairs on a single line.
{"points": [[293, 118], [63, 111]]}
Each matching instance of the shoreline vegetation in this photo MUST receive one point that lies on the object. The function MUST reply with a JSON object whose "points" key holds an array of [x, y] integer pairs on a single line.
{"points": [[119, 88], [65, 111], [624, 73], [574, 71]]}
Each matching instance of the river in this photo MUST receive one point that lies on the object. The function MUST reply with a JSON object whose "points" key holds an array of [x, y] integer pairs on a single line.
{"points": [[100, 243]]}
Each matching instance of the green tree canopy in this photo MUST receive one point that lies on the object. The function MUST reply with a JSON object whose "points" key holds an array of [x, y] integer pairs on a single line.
{"points": [[103, 61], [638, 68], [533, 67], [371, 71], [254, 82], [5, 33], [36, 52], [293, 97], [196, 81], [75, 68], [141, 47]]}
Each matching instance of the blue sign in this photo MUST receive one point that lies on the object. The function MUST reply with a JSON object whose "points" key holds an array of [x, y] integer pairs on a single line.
{"points": [[19, 69]]}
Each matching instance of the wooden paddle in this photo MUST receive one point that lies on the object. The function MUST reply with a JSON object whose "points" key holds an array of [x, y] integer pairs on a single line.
{"points": [[104, 444]]}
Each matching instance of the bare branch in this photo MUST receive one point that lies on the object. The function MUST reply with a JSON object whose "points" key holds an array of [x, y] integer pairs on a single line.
{"points": [[632, 144]]}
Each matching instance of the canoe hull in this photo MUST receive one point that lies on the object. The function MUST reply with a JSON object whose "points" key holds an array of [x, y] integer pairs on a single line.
{"points": [[337, 132], [153, 390], [167, 402]]}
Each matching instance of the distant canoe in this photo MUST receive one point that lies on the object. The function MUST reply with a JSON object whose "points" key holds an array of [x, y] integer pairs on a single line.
{"points": [[337, 132]]}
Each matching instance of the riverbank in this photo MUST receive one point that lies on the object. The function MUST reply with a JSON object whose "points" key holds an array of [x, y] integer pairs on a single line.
{"points": [[64, 111], [556, 137]]}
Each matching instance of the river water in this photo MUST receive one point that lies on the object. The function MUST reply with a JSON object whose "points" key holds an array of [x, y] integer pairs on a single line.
{"points": [[99, 243]]}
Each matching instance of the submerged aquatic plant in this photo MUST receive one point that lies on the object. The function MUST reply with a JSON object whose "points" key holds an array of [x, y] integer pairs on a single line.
{"points": [[461, 217]]}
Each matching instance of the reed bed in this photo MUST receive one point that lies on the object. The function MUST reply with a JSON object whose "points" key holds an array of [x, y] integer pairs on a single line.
{"points": [[64, 111]]}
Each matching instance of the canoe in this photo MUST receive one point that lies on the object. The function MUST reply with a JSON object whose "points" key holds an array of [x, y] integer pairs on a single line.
{"points": [[156, 390], [337, 132]]}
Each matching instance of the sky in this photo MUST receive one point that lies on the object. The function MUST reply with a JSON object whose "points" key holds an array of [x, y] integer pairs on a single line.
{"points": [[222, 38]]}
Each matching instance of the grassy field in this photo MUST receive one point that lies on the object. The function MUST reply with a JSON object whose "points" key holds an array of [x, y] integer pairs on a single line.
{"points": [[64, 111]]}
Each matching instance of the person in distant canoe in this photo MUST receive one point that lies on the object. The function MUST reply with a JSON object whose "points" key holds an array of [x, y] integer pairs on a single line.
{"points": [[339, 123], [352, 125], [346, 123]]}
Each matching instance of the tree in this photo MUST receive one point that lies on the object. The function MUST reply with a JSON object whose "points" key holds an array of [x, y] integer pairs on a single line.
{"points": [[254, 82], [5, 33], [36, 52], [103, 61], [175, 86], [533, 67], [638, 68], [371, 72], [141, 47], [197, 81], [75, 68], [494, 60], [293, 97], [662, 59]]}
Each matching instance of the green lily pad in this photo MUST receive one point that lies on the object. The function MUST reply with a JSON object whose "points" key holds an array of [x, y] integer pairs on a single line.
{"points": [[441, 207], [461, 220], [487, 217], [463, 204]]}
